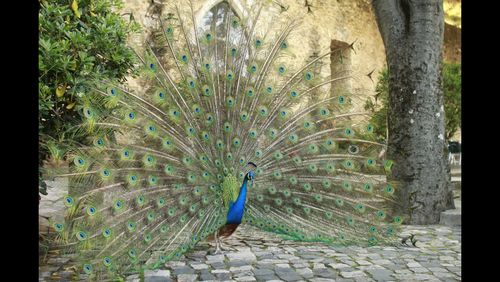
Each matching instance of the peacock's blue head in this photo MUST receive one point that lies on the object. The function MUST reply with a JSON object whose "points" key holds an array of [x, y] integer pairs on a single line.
{"points": [[250, 175]]}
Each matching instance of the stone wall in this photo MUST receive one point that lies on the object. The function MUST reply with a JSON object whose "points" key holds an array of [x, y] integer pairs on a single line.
{"points": [[452, 43], [322, 22], [51, 207], [338, 20]]}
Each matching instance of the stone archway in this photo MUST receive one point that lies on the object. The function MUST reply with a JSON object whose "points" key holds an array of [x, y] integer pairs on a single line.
{"points": [[340, 64], [236, 5]]}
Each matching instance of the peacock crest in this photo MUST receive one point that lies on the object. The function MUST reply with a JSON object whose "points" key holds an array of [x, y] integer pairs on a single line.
{"points": [[157, 174]]}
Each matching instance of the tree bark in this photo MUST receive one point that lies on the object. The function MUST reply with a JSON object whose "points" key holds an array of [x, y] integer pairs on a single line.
{"points": [[412, 31]]}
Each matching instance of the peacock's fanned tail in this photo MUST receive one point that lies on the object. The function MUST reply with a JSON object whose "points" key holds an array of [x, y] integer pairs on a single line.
{"points": [[148, 185]]}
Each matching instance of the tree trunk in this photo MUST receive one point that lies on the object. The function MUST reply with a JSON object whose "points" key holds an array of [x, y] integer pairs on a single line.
{"points": [[412, 31]]}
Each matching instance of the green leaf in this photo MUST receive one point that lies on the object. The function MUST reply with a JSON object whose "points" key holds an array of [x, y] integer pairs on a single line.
{"points": [[74, 7]]}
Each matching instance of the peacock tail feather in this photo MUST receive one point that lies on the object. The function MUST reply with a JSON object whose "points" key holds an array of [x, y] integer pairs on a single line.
{"points": [[157, 174]]}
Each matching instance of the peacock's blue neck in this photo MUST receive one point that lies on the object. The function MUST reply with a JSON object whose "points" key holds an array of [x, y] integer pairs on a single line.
{"points": [[236, 209]]}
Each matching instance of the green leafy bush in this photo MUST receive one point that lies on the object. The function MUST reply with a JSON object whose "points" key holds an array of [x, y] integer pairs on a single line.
{"points": [[452, 88], [379, 113], [79, 41]]}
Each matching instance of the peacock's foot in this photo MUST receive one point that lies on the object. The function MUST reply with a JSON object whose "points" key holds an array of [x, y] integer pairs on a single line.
{"points": [[227, 249], [216, 252], [222, 249]]}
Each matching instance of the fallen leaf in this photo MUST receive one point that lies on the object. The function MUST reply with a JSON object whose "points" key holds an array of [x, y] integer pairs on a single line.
{"points": [[74, 7], [70, 106], [72, 65], [60, 90]]}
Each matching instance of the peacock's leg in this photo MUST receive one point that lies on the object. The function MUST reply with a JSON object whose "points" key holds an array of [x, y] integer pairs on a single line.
{"points": [[217, 243], [226, 249]]}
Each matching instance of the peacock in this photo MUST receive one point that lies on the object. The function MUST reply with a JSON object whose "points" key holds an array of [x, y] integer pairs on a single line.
{"points": [[226, 131]]}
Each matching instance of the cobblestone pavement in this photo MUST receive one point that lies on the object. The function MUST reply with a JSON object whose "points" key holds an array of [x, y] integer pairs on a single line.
{"points": [[262, 256]]}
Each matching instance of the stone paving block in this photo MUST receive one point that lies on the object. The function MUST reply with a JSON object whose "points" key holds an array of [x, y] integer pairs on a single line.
{"points": [[245, 278], [420, 270], [175, 263], [325, 273], [363, 262], [215, 258], [351, 274], [155, 279], [305, 272], [363, 279], [182, 270], [272, 261], [381, 261], [446, 258], [223, 276], [453, 268], [134, 277], [187, 277], [242, 273], [287, 274], [216, 264], [381, 274], [263, 271], [241, 268], [444, 275], [268, 277], [338, 265], [300, 265], [206, 276], [348, 262], [395, 266], [318, 265], [414, 264], [198, 266], [369, 267], [157, 273], [217, 271], [437, 269]]}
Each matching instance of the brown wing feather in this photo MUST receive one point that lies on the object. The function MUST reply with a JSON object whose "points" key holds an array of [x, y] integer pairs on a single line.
{"points": [[225, 231]]}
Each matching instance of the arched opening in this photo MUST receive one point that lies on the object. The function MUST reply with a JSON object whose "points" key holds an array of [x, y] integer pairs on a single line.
{"points": [[219, 21], [340, 65]]}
